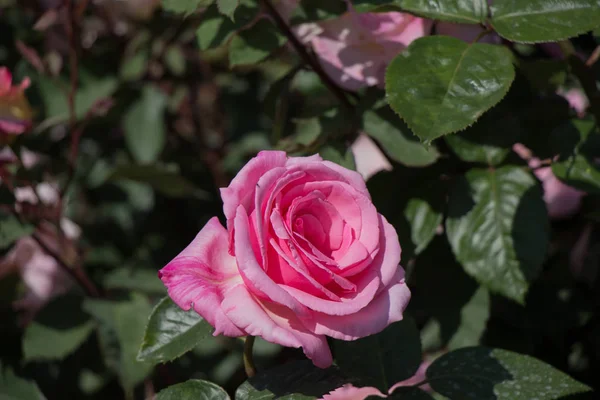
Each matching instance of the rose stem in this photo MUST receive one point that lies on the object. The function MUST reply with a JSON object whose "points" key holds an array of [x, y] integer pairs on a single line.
{"points": [[248, 357]]}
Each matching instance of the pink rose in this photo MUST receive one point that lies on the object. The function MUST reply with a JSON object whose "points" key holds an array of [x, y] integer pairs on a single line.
{"points": [[355, 49], [562, 200], [305, 256], [15, 113]]}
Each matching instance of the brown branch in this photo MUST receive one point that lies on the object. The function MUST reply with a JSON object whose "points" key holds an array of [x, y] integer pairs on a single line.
{"points": [[71, 28], [75, 273], [305, 55]]}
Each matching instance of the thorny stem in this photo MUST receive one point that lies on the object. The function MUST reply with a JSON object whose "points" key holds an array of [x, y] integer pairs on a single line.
{"points": [[248, 357], [305, 55]]}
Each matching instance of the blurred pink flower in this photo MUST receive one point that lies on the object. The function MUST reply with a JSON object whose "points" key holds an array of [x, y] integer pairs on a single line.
{"points": [[15, 113], [355, 49], [562, 200], [368, 158], [7, 156], [42, 276], [577, 100]]}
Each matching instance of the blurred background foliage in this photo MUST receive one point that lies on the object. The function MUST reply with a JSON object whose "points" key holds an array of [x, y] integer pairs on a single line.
{"points": [[167, 112]]}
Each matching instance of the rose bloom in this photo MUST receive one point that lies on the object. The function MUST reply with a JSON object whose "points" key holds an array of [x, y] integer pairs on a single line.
{"points": [[355, 49], [305, 255], [15, 113], [41, 274]]}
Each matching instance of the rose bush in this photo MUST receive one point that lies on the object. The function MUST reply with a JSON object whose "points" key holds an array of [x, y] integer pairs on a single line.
{"points": [[305, 255]]}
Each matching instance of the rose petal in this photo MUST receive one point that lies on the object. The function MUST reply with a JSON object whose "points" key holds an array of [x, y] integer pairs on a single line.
{"points": [[387, 307], [242, 187], [275, 324], [368, 158], [254, 276], [349, 392], [201, 274]]}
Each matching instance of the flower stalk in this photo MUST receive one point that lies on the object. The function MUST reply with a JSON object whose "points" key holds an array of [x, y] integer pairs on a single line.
{"points": [[249, 366]]}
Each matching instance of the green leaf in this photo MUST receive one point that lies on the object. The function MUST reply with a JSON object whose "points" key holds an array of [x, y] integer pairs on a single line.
{"points": [[316, 10], [579, 172], [143, 280], [13, 387], [11, 229], [339, 155], [491, 138], [384, 359], [56, 105], [581, 168], [396, 140], [61, 323], [497, 226], [175, 60], [363, 6], [254, 44], [144, 125], [424, 213], [185, 6], [536, 21], [483, 373], [299, 380], [458, 310], [165, 181], [194, 389], [463, 11], [122, 324], [171, 332], [474, 316], [441, 84], [227, 7], [134, 67], [215, 29]]}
